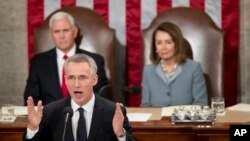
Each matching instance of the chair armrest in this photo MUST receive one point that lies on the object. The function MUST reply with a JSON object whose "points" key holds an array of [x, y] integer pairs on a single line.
{"points": [[133, 89], [106, 91]]}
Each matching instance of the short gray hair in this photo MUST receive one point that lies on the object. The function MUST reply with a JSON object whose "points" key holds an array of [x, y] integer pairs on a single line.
{"points": [[80, 58], [61, 15]]}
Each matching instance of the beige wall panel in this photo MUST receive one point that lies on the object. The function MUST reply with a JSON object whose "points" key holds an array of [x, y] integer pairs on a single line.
{"points": [[13, 51]]}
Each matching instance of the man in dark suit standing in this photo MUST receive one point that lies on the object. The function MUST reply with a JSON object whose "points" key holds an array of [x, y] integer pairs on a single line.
{"points": [[45, 81], [103, 120]]}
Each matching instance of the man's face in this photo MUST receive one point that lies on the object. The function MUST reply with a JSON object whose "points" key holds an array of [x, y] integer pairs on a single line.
{"points": [[80, 81], [63, 34]]}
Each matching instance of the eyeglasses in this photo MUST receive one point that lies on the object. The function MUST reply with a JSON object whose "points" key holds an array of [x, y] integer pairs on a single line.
{"points": [[81, 79]]}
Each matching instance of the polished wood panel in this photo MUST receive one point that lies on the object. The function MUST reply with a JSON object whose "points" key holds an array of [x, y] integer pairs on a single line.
{"points": [[13, 131], [165, 130], [158, 128], [155, 130]]}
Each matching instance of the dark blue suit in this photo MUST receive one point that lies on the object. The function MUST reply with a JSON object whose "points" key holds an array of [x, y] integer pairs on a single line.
{"points": [[52, 124], [43, 81]]}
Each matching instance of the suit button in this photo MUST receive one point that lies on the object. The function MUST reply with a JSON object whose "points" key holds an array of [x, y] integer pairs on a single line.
{"points": [[168, 93]]}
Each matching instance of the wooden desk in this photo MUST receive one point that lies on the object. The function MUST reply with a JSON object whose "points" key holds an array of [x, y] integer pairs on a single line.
{"points": [[161, 129], [13, 131], [153, 130], [164, 130]]}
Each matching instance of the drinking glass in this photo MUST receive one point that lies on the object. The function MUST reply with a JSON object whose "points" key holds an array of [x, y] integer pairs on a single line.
{"points": [[218, 105], [8, 112]]}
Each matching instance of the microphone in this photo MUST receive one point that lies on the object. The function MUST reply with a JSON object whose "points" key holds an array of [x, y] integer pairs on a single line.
{"points": [[68, 112]]}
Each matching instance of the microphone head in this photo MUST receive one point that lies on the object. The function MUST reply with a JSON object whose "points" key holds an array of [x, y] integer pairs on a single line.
{"points": [[68, 110]]}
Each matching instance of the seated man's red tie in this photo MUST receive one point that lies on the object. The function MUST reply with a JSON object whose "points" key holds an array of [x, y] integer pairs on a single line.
{"points": [[64, 88]]}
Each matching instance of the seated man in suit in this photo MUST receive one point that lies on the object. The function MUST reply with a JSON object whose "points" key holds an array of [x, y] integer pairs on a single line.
{"points": [[93, 118], [45, 81]]}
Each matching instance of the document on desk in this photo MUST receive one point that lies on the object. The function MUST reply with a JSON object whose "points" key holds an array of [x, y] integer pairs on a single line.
{"points": [[167, 111], [240, 107], [21, 110], [139, 117]]}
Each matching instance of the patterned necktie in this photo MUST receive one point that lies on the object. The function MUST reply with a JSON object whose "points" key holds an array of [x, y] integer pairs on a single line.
{"points": [[64, 88], [81, 133]]}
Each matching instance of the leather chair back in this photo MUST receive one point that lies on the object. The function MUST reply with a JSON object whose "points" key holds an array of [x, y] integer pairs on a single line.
{"points": [[204, 39], [92, 30]]}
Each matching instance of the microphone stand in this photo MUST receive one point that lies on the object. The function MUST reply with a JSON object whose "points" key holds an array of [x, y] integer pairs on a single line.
{"points": [[69, 114], [65, 126]]}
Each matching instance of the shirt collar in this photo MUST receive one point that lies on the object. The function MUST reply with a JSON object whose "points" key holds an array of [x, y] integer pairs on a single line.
{"points": [[87, 107], [60, 54]]}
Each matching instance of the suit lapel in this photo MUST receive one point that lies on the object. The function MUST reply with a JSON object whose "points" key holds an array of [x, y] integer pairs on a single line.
{"points": [[160, 73], [96, 119], [61, 125], [55, 77], [69, 131]]}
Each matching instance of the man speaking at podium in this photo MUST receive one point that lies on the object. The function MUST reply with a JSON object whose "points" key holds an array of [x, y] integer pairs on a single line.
{"points": [[82, 116]]}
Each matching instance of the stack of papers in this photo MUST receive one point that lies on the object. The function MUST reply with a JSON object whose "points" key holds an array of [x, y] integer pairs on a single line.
{"points": [[139, 117], [240, 107], [20, 110], [143, 113]]}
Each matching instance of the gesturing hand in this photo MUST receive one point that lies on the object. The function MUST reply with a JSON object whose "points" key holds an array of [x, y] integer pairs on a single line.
{"points": [[118, 120], [34, 116]]}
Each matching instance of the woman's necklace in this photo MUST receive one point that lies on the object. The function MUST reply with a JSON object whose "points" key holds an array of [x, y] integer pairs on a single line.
{"points": [[166, 71]]}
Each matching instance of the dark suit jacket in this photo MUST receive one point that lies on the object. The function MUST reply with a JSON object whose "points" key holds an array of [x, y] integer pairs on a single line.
{"points": [[43, 81], [52, 124]]}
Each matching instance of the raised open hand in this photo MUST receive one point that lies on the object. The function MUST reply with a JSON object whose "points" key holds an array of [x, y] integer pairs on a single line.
{"points": [[118, 120], [34, 115]]}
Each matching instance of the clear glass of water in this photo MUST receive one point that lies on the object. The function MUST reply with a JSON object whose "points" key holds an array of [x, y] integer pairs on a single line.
{"points": [[8, 112], [218, 105]]}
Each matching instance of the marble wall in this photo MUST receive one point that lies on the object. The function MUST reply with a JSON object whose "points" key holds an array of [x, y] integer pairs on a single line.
{"points": [[13, 51], [244, 54]]}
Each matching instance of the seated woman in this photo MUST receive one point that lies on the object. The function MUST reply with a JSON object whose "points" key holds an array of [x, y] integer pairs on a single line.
{"points": [[172, 79]]}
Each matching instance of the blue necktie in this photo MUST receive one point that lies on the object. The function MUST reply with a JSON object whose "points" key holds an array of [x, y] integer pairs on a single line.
{"points": [[81, 128]]}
